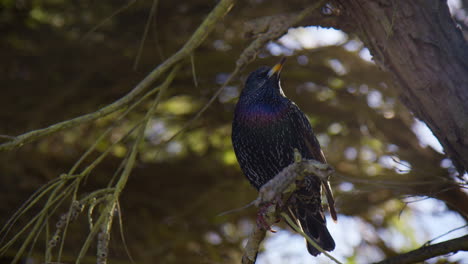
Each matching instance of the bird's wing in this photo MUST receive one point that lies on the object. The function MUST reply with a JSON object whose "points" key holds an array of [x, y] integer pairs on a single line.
{"points": [[303, 126]]}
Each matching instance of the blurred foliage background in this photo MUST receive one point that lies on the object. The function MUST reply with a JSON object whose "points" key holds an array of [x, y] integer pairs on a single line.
{"points": [[61, 59]]}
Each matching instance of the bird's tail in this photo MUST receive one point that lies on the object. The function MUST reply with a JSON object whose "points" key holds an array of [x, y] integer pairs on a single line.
{"points": [[319, 233], [312, 221]]}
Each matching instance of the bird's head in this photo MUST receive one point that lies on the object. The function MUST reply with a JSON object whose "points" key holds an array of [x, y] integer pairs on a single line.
{"points": [[265, 79]]}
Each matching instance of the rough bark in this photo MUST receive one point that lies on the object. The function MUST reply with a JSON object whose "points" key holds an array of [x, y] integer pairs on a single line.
{"points": [[418, 42]]}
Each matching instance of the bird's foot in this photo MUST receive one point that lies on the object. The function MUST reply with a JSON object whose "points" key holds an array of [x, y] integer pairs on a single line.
{"points": [[266, 216]]}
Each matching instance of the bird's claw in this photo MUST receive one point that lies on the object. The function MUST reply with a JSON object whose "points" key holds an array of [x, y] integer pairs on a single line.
{"points": [[265, 217]]}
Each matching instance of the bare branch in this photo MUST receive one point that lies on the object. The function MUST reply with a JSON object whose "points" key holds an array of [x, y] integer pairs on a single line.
{"points": [[253, 245], [271, 28], [427, 252]]}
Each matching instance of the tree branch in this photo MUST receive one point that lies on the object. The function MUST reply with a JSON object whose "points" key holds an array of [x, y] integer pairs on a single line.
{"points": [[284, 182], [195, 40], [270, 28], [427, 252]]}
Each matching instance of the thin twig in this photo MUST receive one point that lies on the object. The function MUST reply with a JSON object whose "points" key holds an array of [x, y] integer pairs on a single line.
{"points": [[145, 33], [194, 73], [204, 108], [444, 234], [309, 240], [7, 137], [122, 236], [115, 13]]}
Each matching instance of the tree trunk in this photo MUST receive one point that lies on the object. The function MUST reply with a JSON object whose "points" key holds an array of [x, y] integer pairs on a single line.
{"points": [[419, 43]]}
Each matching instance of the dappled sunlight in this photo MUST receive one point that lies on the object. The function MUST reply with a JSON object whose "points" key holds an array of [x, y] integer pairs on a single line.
{"points": [[183, 195]]}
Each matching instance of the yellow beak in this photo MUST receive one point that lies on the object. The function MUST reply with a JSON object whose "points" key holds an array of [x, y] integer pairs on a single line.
{"points": [[277, 68]]}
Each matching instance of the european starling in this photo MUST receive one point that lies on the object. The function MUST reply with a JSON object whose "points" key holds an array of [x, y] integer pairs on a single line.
{"points": [[267, 127]]}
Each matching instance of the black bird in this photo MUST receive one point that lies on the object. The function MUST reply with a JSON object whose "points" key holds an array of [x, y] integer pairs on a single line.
{"points": [[267, 127]]}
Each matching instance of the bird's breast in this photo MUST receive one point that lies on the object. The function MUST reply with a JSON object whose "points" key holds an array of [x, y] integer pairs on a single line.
{"points": [[261, 114], [263, 140]]}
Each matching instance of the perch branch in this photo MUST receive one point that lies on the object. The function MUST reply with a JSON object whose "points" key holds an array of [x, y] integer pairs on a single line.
{"points": [[253, 245], [287, 177], [282, 185], [427, 252]]}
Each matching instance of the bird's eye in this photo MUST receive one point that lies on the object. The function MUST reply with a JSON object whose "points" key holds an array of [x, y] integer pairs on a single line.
{"points": [[262, 75]]}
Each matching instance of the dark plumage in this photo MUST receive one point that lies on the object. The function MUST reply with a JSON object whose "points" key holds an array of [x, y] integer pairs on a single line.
{"points": [[267, 127]]}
